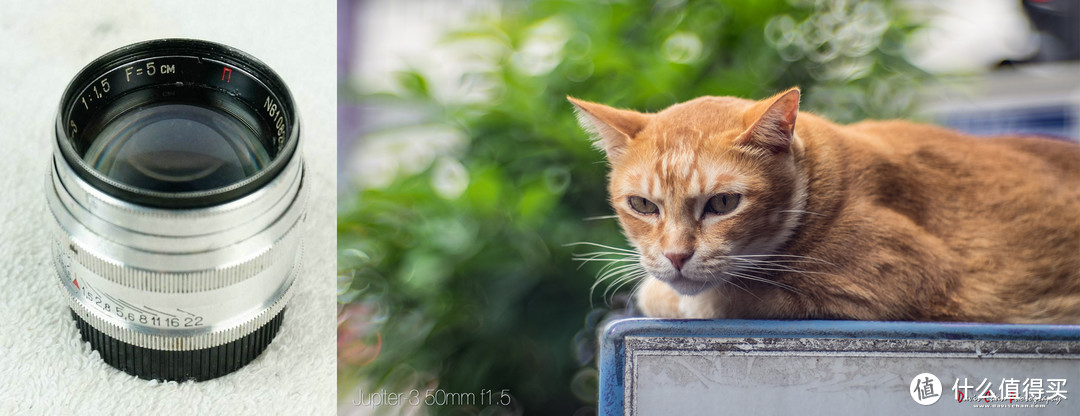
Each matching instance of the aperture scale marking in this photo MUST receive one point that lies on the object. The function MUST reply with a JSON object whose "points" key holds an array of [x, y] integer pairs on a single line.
{"points": [[116, 307]]}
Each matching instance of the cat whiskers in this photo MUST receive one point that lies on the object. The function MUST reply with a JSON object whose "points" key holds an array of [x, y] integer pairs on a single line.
{"points": [[779, 258], [606, 247], [620, 276], [738, 283], [623, 266], [769, 266], [748, 267], [745, 275]]}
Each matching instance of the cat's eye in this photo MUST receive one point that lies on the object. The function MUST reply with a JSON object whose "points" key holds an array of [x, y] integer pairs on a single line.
{"points": [[722, 204], [643, 206]]}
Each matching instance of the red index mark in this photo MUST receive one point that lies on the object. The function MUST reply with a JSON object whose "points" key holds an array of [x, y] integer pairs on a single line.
{"points": [[76, 282], [226, 74]]}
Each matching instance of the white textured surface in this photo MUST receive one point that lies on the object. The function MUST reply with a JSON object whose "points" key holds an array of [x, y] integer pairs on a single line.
{"points": [[45, 368]]}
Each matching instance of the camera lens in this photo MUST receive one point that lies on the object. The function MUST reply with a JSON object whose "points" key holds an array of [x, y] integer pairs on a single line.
{"points": [[176, 191]]}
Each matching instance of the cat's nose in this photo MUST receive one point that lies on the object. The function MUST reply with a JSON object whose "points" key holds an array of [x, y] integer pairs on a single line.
{"points": [[679, 259]]}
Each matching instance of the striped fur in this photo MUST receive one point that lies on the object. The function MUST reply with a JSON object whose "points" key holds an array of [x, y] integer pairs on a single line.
{"points": [[876, 220]]}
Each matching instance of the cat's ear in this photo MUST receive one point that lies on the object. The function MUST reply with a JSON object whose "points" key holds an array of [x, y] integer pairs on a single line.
{"points": [[612, 129], [774, 127]]}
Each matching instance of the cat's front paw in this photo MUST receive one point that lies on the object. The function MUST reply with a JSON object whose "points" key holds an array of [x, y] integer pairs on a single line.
{"points": [[658, 300]]}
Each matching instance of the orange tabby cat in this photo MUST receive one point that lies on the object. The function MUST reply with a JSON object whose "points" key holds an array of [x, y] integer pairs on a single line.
{"points": [[736, 211]]}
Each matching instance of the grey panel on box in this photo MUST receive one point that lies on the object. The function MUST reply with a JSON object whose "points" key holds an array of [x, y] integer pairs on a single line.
{"points": [[831, 376]]}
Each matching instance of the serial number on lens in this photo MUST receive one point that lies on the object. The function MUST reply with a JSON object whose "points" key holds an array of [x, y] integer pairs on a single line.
{"points": [[278, 117], [141, 315]]}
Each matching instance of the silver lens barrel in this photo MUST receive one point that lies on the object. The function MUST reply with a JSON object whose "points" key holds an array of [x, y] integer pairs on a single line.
{"points": [[177, 280]]}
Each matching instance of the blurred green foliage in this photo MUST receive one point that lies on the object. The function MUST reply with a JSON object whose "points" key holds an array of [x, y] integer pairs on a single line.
{"points": [[476, 289]]}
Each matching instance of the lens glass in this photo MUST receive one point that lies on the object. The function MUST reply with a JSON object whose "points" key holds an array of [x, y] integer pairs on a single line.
{"points": [[176, 147]]}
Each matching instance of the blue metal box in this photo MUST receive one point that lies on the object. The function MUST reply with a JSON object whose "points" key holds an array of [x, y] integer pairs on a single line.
{"points": [[716, 367]]}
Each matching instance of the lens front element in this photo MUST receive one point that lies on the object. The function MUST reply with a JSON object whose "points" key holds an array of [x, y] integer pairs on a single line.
{"points": [[177, 147]]}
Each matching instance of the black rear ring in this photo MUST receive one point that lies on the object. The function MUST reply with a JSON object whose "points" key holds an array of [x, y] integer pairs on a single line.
{"points": [[198, 365]]}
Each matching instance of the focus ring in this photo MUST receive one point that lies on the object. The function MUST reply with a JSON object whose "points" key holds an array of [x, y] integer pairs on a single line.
{"points": [[175, 282], [79, 196]]}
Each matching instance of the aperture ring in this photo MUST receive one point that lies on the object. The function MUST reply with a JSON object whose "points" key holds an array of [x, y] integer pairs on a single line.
{"points": [[178, 342]]}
